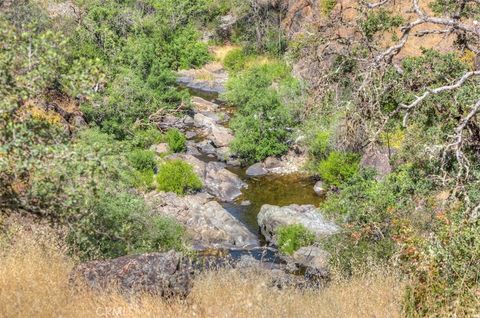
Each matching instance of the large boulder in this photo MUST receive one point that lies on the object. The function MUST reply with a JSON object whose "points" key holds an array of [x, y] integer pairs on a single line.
{"points": [[378, 159], [271, 217], [206, 221], [164, 274], [171, 274], [222, 183]]}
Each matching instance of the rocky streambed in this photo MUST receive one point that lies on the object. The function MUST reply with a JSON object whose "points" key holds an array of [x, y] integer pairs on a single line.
{"points": [[233, 221]]}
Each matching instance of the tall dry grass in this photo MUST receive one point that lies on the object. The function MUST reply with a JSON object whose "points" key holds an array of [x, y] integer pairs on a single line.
{"points": [[34, 275]]}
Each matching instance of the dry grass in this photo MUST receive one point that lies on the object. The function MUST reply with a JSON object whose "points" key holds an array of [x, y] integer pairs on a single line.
{"points": [[219, 52], [34, 283], [204, 75]]}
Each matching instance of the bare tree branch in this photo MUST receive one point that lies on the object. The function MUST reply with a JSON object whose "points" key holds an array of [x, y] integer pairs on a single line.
{"points": [[377, 4], [435, 91]]}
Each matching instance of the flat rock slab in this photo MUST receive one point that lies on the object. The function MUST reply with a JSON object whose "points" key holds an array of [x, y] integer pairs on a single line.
{"points": [[172, 275], [195, 78], [271, 217], [201, 105], [206, 221]]}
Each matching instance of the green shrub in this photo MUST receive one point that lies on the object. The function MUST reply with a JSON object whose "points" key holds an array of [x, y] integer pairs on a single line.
{"points": [[327, 6], [177, 176], [235, 60], [319, 147], [143, 179], [291, 237], [141, 52], [445, 271], [142, 159], [176, 140], [344, 65], [338, 168], [380, 21], [146, 138], [118, 224], [276, 42], [375, 216], [265, 117]]}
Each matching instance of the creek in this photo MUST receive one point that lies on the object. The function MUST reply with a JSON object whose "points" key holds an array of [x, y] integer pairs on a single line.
{"points": [[274, 189]]}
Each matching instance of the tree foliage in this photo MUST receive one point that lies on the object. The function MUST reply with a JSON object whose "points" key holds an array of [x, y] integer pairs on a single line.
{"points": [[266, 96]]}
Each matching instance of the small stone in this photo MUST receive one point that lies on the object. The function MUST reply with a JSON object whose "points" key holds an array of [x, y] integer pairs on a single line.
{"points": [[190, 134], [272, 162], [312, 256], [234, 162], [256, 170], [206, 147], [319, 188], [246, 203]]}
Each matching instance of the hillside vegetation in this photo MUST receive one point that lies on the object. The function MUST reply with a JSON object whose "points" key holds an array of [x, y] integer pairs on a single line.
{"points": [[386, 117]]}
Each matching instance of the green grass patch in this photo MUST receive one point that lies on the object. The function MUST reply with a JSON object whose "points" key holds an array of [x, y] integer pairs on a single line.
{"points": [[177, 176], [292, 237]]}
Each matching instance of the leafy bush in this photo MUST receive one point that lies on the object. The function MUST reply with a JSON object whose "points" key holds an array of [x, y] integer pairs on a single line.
{"points": [[265, 117], [145, 138], [445, 270], [276, 42], [235, 60], [319, 146], [376, 215], [118, 224], [140, 48], [176, 140], [142, 159], [291, 237], [327, 6], [338, 168], [380, 21], [142, 179], [177, 176]]}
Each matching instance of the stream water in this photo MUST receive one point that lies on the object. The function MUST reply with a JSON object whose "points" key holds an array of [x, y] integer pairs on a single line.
{"points": [[270, 189]]}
